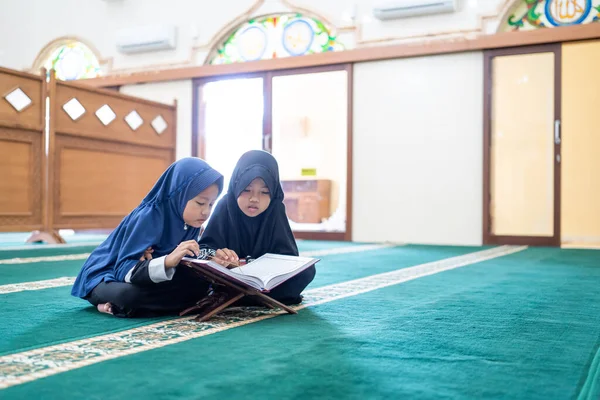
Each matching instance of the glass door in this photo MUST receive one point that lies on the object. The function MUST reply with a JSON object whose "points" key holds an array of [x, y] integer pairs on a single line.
{"points": [[229, 121], [309, 138], [302, 118]]}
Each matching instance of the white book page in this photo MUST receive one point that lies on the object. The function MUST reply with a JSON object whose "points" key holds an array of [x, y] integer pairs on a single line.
{"points": [[252, 281], [269, 266], [261, 271]]}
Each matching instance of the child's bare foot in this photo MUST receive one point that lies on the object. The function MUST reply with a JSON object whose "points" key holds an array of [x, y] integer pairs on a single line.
{"points": [[105, 308]]}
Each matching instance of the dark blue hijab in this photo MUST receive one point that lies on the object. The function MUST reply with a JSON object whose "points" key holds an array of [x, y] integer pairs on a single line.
{"points": [[268, 232], [157, 222]]}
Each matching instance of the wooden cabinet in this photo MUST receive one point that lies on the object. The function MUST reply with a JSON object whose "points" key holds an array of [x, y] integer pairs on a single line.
{"points": [[307, 201]]}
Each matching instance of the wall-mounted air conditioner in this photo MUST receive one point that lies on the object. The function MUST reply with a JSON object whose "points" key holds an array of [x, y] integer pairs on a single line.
{"points": [[411, 8], [146, 38]]}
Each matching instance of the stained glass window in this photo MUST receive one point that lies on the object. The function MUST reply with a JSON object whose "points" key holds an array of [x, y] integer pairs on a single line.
{"points": [[534, 14], [73, 60], [276, 36]]}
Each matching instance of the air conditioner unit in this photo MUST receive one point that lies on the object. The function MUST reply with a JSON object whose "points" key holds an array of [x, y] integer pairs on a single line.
{"points": [[411, 8], [146, 38]]}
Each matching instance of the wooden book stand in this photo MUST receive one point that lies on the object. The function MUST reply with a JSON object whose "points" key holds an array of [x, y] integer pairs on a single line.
{"points": [[240, 288]]}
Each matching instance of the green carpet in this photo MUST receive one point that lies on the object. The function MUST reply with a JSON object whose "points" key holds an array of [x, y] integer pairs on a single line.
{"points": [[44, 251], [314, 245], [49, 269], [521, 326], [17, 239], [37, 318]]}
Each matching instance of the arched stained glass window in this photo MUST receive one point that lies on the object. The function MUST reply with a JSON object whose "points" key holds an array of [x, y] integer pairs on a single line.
{"points": [[73, 60], [534, 14], [276, 36]]}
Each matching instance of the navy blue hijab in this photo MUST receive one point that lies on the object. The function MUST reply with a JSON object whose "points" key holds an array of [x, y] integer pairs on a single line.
{"points": [[157, 222], [268, 232]]}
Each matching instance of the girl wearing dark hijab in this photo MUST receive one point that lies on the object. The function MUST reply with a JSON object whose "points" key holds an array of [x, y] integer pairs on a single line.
{"points": [[250, 221], [122, 278]]}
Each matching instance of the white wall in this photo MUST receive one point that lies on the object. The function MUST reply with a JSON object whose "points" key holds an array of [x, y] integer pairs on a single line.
{"points": [[37, 22], [166, 92], [418, 150], [26, 26]]}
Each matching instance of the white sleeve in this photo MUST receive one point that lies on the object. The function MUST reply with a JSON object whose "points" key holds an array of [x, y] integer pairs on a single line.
{"points": [[156, 271], [128, 276]]}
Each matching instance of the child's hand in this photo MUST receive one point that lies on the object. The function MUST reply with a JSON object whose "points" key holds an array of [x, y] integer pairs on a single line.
{"points": [[147, 254], [226, 257], [189, 248]]}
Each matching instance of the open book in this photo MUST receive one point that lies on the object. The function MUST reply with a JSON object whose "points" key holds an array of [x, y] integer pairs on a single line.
{"points": [[264, 273]]}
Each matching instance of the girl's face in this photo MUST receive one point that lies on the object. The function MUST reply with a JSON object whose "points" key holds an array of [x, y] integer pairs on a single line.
{"points": [[255, 199], [198, 209]]}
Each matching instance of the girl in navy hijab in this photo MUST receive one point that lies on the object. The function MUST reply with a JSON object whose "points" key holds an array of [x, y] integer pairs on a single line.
{"points": [[250, 220], [134, 271]]}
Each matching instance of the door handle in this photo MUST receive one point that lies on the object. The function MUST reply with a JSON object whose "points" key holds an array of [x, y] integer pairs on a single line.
{"points": [[267, 143], [557, 131]]}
